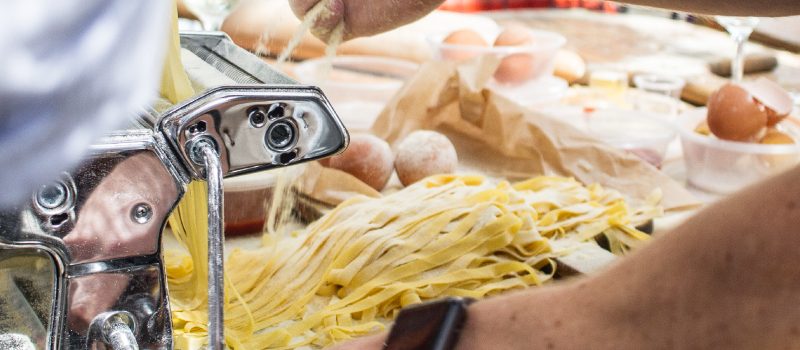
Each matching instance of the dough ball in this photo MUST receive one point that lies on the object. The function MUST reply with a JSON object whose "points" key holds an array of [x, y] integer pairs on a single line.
{"points": [[424, 153], [368, 158]]}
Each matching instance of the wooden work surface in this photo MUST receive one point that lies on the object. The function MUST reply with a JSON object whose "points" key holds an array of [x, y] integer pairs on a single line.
{"points": [[640, 43], [627, 42]]}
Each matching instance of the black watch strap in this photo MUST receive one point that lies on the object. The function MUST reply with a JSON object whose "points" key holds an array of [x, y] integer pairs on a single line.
{"points": [[430, 326]]}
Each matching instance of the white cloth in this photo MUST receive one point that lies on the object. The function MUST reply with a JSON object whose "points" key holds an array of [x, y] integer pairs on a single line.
{"points": [[69, 71]]}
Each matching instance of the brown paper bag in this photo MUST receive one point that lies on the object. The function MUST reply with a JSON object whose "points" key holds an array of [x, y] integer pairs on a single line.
{"points": [[499, 138]]}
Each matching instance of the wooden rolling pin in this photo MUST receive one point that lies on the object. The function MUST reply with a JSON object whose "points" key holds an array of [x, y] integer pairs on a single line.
{"points": [[697, 90], [754, 63]]}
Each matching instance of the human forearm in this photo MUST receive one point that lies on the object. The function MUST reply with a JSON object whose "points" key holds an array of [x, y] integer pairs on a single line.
{"points": [[728, 278], [364, 18], [767, 8]]}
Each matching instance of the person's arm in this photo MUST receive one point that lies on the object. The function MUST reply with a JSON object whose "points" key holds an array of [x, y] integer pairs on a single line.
{"points": [[728, 278], [364, 18], [765, 8]]}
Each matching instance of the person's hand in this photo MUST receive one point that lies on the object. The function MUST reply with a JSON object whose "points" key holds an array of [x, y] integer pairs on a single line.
{"points": [[363, 18], [373, 342]]}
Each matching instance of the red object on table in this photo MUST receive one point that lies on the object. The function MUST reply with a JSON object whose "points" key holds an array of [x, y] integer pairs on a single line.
{"points": [[488, 5]]}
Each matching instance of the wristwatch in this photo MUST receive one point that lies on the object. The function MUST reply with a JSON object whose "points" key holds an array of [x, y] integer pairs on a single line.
{"points": [[430, 326]]}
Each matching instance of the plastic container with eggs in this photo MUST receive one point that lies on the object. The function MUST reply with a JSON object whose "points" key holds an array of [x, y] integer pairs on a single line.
{"points": [[527, 59], [358, 86], [743, 137]]}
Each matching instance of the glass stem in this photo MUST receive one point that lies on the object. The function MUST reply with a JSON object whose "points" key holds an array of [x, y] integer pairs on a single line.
{"points": [[737, 66]]}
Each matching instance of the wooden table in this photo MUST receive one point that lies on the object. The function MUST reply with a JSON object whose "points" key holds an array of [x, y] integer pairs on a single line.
{"points": [[639, 43]]}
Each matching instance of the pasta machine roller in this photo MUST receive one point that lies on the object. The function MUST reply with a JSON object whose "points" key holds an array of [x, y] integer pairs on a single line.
{"points": [[81, 264]]}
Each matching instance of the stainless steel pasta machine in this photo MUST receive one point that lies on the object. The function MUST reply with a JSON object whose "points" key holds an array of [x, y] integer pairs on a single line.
{"points": [[81, 264]]}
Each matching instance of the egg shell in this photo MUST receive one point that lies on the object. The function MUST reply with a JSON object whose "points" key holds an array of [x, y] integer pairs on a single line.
{"points": [[368, 158], [463, 37], [734, 115], [424, 153], [777, 101]]}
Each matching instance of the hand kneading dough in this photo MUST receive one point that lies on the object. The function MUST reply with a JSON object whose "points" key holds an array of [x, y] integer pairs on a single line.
{"points": [[368, 158], [424, 153]]}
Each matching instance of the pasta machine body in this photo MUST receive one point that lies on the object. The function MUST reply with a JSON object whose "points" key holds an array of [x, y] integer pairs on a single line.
{"points": [[81, 264]]}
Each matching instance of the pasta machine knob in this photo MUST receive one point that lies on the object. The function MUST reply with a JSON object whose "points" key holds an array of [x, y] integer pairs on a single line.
{"points": [[116, 329]]}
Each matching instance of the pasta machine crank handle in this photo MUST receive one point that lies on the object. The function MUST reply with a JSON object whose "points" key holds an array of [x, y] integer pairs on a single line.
{"points": [[203, 152]]}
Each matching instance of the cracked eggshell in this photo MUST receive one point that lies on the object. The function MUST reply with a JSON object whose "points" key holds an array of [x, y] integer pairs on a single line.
{"points": [[733, 114], [773, 97]]}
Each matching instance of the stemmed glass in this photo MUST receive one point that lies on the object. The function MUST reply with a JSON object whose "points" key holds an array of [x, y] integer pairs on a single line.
{"points": [[740, 29], [211, 12]]}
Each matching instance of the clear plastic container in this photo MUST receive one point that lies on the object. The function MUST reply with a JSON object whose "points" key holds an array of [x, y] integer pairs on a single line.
{"points": [[665, 93], [723, 167], [358, 86], [536, 93], [647, 135], [543, 50]]}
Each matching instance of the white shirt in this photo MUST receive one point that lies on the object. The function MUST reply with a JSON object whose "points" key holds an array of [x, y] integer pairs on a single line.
{"points": [[69, 71]]}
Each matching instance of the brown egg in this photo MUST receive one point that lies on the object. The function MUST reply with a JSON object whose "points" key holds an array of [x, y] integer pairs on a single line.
{"points": [[368, 158], [517, 67], [514, 35], [424, 153], [734, 115], [463, 37], [775, 100]]}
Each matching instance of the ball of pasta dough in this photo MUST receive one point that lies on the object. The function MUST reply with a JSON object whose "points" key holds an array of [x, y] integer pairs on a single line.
{"points": [[368, 158], [424, 153]]}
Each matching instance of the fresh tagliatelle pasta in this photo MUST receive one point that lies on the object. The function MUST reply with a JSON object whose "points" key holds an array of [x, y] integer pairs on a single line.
{"points": [[350, 272]]}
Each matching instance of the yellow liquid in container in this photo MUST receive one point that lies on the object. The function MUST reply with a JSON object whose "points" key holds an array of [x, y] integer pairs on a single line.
{"points": [[610, 85]]}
